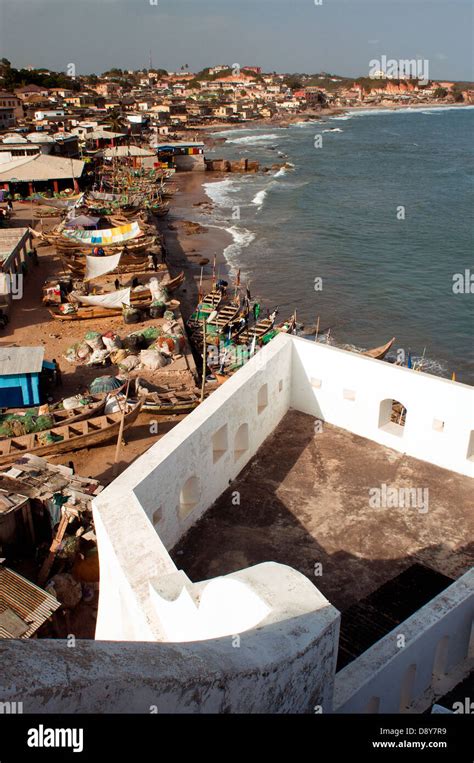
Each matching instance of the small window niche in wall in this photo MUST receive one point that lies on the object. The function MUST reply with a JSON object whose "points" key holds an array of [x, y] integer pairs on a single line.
{"points": [[280, 385], [349, 394], [262, 398], [189, 497], [157, 516], [241, 441], [470, 447], [406, 690], [219, 444], [392, 417], [438, 425]]}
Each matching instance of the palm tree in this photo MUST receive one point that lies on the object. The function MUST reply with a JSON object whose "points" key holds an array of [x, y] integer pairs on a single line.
{"points": [[116, 121]]}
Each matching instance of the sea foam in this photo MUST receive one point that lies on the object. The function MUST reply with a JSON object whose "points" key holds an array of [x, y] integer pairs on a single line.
{"points": [[253, 139]]}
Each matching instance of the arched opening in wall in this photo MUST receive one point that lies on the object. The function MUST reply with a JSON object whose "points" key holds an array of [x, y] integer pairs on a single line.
{"points": [[262, 398], [406, 690], [219, 444], [241, 441], [470, 447], [372, 706], [440, 658], [189, 497], [392, 417]]}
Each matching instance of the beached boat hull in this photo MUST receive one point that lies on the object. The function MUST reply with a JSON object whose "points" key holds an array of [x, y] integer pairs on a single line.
{"points": [[378, 353], [85, 314], [82, 434], [63, 416]]}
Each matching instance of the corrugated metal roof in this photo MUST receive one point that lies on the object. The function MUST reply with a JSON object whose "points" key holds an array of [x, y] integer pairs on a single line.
{"points": [[10, 238], [21, 360], [23, 606], [41, 167]]}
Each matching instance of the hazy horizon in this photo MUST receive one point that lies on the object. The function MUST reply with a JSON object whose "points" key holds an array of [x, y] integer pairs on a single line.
{"points": [[338, 36]]}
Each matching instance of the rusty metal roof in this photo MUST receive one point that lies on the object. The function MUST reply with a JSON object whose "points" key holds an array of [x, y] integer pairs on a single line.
{"points": [[23, 606]]}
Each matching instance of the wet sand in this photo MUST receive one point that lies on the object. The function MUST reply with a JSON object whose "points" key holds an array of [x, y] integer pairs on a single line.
{"points": [[188, 248]]}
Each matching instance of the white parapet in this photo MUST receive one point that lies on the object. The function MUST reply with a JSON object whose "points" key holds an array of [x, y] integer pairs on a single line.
{"points": [[403, 669], [355, 392], [144, 597], [263, 639]]}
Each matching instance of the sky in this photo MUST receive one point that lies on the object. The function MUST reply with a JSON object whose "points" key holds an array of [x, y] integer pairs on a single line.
{"points": [[336, 36]]}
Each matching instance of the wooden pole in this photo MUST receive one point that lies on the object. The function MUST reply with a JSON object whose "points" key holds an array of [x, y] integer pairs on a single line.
{"points": [[317, 330], [422, 360], [120, 432], [204, 352], [54, 548]]}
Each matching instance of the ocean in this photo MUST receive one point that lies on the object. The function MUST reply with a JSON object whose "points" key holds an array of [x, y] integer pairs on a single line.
{"points": [[367, 227]]}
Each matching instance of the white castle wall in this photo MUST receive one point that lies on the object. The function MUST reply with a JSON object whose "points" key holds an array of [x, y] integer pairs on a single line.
{"points": [[348, 390], [403, 667], [287, 631], [285, 666]]}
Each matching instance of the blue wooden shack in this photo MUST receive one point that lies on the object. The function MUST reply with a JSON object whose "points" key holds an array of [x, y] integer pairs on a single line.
{"points": [[20, 369]]}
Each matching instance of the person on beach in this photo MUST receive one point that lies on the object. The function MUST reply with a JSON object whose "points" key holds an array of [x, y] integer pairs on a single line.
{"points": [[10, 205], [117, 284], [222, 286], [154, 258], [273, 316], [256, 311], [58, 379]]}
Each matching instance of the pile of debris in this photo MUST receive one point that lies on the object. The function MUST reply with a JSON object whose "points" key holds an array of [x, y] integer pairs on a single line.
{"points": [[52, 487], [57, 514]]}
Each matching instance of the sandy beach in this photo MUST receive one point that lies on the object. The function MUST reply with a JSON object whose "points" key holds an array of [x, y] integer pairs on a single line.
{"points": [[188, 246]]}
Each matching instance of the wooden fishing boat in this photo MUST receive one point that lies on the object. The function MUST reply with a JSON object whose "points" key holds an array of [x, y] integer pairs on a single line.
{"points": [[214, 329], [78, 270], [85, 313], [82, 434], [140, 298], [63, 416], [77, 260], [259, 329], [287, 327], [209, 303], [138, 245], [379, 352], [211, 300], [225, 315], [171, 402]]}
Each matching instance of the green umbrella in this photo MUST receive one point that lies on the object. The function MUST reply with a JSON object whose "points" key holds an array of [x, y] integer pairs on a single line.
{"points": [[105, 384]]}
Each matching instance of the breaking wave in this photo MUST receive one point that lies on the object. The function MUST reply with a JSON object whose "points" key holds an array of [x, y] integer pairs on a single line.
{"points": [[242, 237], [259, 198], [251, 140], [220, 192]]}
